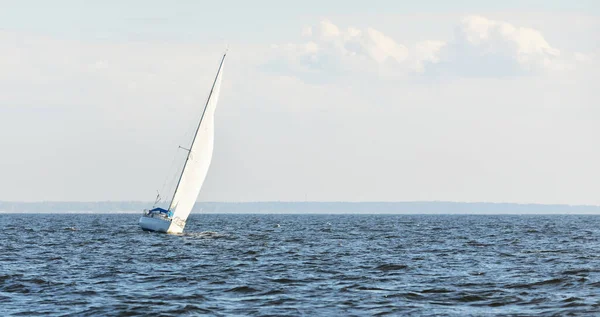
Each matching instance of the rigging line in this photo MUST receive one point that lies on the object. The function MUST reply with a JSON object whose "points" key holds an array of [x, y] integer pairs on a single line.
{"points": [[172, 171], [168, 177], [198, 129], [171, 178]]}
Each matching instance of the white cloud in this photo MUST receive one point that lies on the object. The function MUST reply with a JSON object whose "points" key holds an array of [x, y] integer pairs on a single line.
{"points": [[481, 47], [484, 47], [328, 29], [427, 52], [330, 48]]}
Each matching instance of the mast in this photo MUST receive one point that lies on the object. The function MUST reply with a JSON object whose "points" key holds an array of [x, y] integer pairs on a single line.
{"points": [[197, 129]]}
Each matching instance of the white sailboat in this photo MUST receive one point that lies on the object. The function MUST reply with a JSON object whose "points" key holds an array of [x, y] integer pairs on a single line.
{"points": [[195, 168]]}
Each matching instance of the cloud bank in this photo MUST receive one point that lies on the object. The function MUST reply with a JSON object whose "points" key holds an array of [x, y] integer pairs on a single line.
{"points": [[480, 47]]}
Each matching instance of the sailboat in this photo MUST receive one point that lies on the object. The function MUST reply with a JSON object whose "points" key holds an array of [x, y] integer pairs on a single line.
{"points": [[195, 168]]}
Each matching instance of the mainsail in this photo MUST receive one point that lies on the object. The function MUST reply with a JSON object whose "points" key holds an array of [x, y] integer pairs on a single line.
{"points": [[198, 158]]}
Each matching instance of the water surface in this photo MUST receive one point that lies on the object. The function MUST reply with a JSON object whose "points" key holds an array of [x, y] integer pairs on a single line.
{"points": [[258, 265]]}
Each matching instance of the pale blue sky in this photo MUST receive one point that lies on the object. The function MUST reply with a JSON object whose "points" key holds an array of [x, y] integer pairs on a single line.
{"points": [[232, 20], [336, 100]]}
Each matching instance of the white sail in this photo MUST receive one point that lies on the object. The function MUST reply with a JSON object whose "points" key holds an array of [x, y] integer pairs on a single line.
{"points": [[198, 161]]}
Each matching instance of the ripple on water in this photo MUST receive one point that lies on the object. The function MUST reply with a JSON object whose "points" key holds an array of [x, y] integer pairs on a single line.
{"points": [[314, 265]]}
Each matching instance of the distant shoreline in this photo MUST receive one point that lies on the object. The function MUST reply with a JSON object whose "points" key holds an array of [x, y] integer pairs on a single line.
{"points": [[421, 207]]}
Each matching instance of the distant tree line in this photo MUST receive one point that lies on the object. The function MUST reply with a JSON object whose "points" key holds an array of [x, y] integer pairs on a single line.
{"points": [[434, 207]]}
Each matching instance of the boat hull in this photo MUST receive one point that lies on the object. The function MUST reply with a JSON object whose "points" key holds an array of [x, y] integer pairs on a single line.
{"points": [[159, 225]]}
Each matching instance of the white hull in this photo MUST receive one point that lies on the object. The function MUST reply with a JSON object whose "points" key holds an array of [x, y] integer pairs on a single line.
{"points": [[159, 224]]}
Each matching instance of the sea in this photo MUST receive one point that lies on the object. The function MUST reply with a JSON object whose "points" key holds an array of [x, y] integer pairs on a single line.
{"points": [[301, 265]]}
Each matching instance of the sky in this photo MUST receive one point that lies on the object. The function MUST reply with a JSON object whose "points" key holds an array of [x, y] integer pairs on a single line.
{"points": [[477, 101]]}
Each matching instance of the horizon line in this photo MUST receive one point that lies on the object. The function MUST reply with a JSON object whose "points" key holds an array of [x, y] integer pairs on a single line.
{"points": [[309, 202]]}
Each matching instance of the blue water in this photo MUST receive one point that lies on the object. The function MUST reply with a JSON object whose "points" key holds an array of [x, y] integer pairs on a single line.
{"points": [[326, 265]]}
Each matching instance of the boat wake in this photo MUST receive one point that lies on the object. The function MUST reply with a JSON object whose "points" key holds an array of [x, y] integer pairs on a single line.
{"points": [[205, 235]]}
